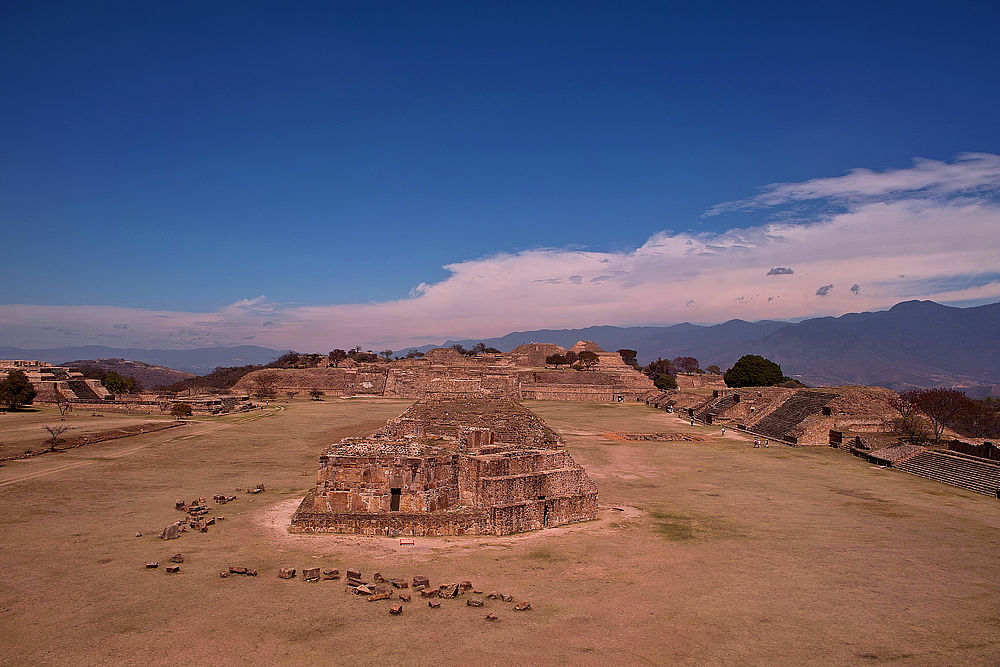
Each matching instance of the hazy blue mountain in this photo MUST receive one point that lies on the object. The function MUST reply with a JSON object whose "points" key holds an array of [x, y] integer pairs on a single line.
{"points": [[198, 361], [650, 342], [918, 343]]}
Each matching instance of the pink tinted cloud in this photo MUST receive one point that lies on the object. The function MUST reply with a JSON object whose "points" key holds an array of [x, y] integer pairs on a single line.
{"points": [[895, 248]]}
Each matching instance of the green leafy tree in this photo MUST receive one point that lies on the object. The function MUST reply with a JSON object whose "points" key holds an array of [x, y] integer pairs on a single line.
{"points": [[337, 356], [363, 357], [664, 382], [289, 359], [180, 410], [714, 370], [752, 370], [17, 390], [316, 395], [117, 383], [588, 359], [629, 357], [556, 360]]}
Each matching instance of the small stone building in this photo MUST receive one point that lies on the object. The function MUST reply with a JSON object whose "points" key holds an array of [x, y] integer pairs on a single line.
{"points": [[449, 466]]}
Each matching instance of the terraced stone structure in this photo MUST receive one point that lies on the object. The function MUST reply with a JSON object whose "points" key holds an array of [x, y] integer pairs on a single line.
{"points": [[518, 375], [57, 383], [795, 416], [455, 465]]}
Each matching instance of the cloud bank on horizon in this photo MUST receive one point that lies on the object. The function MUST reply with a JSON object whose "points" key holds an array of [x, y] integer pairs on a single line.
{"points": [[862, 241]]}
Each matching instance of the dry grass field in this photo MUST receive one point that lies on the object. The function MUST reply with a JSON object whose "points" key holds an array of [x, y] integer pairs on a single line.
{"points": [[720, 554]]}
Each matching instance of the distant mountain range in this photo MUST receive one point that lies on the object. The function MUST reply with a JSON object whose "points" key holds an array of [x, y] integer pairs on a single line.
{"points": [[913, 344], [199, 361]]}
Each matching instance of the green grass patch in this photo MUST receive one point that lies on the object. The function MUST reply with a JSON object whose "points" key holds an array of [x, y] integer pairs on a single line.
{"points": [[675, 527]]}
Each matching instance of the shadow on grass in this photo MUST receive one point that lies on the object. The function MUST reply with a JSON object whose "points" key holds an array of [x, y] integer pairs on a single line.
{"points": [[675, 527]]}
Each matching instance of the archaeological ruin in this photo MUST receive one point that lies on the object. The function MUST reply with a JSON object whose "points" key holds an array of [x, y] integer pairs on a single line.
{"points": [[792, 416], [57, 383], [63, 384], [516, 375], [456, 464]]}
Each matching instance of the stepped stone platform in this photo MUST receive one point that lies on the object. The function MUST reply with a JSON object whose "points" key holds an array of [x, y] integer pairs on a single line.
{"points": [[781, 422], [964, 471], [517, 375], [57, 383], [449, 465], [793, 416]]}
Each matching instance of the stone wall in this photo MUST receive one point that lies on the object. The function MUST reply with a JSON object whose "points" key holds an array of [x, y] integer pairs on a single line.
{"points": [[700, 381], [533, 355], [468, 465], [797, 416], [332, 381]]}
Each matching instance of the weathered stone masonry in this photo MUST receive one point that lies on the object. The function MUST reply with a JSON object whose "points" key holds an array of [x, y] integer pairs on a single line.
{"points": [[437, 470]]}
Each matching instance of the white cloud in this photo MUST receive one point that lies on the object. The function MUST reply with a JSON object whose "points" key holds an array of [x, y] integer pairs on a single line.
{"points": [[928, 232], [969, 173]]}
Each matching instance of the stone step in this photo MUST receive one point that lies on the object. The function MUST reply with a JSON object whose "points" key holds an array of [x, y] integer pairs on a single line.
{"points": [[979, 477]]}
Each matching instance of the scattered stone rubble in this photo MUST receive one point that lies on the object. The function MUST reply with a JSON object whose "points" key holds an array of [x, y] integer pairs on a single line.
{"points": [[386, 588], [661, 437]]}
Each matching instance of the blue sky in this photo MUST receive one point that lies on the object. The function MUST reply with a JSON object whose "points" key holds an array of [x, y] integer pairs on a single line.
{"points": [[318, 175]]}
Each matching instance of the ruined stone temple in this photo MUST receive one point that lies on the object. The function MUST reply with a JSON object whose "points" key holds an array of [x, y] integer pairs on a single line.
{"points": [[453, 465], [56, 382], [795, 416], [519, 374]]}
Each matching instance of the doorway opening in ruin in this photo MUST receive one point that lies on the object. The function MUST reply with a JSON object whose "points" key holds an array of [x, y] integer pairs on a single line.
{"points": [[394, 499], [545, 513]]}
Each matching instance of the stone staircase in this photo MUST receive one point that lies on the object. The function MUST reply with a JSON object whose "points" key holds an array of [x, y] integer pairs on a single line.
{"points": [[82, 390], [716, 407], [791, 413], [964, 471]]}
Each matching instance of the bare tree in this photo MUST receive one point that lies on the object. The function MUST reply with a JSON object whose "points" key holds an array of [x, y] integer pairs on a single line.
{"points": [[941, 406], [291, 394], [54, 433], [264, 384], [62, 403]]}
